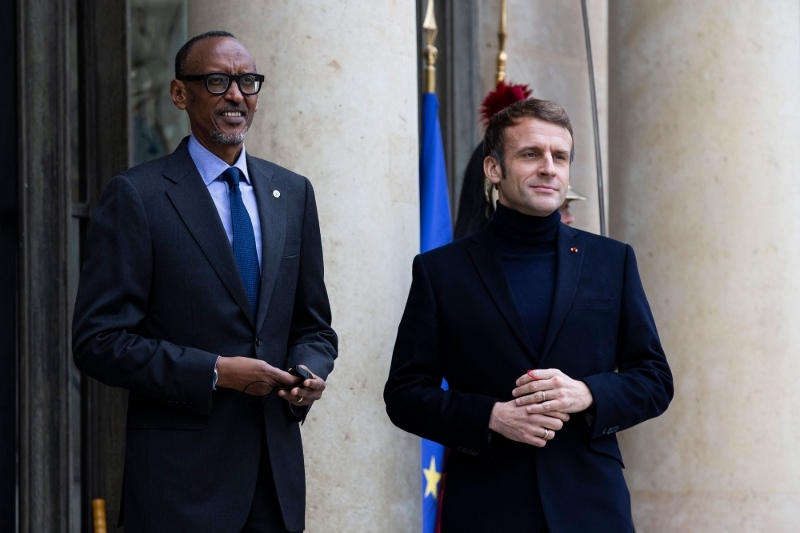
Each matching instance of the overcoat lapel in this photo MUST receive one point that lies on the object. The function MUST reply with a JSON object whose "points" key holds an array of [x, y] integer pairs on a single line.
{"points": [[569, 263], [272, 212], [487, 261], [195, 206]]}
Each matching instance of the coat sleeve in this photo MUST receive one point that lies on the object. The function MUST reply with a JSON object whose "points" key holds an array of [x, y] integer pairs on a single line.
{"points": [[312, 341], [642, 386], [415, 401], [113, 298]]}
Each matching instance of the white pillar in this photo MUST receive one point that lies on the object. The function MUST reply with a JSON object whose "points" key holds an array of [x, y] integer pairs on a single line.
{"points": [[705, 131], [340, 106]]}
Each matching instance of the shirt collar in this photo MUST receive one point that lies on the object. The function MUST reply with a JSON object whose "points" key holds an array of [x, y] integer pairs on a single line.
{"points": [[210, 166]]}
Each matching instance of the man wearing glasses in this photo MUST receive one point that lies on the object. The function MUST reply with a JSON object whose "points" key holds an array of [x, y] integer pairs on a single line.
{"points": [[202, 294]]}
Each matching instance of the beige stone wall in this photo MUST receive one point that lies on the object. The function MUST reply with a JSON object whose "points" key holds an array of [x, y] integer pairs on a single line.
{"points": [[546, 49], [704, 156], [340, 106]]}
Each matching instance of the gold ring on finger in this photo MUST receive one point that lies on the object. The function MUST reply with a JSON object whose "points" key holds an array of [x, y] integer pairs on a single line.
{"points": [[544, 396], [546, 433], [300, 400]]}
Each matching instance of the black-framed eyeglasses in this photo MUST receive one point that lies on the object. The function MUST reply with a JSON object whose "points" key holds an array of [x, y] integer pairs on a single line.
{"points": [[219, 82]]}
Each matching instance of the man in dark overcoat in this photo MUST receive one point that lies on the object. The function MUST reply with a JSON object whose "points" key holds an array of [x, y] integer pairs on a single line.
{"points": [[546, 340]]}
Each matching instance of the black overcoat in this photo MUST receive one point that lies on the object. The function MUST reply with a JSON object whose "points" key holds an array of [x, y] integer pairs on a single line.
{"points": [[461, 324], [160, 298]]}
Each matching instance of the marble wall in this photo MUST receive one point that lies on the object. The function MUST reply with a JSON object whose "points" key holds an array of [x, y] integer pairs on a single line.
{"points": [[546, 50], [340, 106], [704, 133]]}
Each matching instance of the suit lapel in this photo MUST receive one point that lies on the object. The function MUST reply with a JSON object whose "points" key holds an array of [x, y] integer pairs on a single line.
{"points": [[487, 262], [569, 263], [195, 206], [272, 213]]}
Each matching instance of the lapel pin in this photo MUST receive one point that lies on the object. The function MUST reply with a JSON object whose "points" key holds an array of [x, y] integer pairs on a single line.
{"points": [[573, 249], [276, 193]]}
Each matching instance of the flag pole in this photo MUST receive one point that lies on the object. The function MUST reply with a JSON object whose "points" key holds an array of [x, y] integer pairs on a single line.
{"points": [[429, 25], [601, 196], [436, 229], [500, 75], [502, 34]]}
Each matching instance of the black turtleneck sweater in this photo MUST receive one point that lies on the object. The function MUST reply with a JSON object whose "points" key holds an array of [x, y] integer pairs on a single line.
{"points": [[527, 246]]}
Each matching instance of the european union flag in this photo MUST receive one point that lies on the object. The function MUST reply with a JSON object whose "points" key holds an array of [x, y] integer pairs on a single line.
{"points": [[436, 229]]}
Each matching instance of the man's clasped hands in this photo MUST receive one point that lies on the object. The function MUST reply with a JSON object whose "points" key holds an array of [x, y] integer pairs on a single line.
{"points": [[543, 400]]}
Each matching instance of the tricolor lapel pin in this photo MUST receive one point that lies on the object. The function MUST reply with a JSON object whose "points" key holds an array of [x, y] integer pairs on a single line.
{"points": [[573, 249]]}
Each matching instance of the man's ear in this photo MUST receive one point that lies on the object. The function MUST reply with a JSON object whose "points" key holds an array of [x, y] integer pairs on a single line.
{"points": [[491, 167], [178, 92]]}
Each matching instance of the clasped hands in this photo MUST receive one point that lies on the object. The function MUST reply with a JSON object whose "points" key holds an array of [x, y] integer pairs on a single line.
{"points": [[543, 401], [259, 378]]}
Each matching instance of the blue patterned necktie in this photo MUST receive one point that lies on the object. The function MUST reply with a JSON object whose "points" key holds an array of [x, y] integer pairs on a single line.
{"points": [[244, 240]]}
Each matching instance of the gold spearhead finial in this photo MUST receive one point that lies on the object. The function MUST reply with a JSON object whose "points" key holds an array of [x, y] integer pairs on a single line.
{"points": [[501, 37], [429, 25]]}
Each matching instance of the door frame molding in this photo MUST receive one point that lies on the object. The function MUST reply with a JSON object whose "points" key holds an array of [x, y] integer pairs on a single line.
{"points": [[46, 161], [73, 136]]}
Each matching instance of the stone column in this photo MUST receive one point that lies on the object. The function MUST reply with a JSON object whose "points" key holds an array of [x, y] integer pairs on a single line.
{"points": [[546, 50], [340, 107], [704, 130]]}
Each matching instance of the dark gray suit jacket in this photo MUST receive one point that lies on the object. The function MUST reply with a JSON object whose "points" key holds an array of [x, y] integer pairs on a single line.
{"points": [[160, 298]]}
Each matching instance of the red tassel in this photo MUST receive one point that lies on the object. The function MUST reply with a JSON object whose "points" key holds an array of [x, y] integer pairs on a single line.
{"points": [[503, 96]]}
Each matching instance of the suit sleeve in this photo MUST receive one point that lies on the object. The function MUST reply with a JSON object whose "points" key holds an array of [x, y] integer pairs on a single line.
{"points": [[415, 401], [642, 387], [312, 341], [113, 298]]}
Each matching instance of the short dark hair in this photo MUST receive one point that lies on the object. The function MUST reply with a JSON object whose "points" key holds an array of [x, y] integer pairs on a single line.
{"points": [[494, 138], [183, 53]]}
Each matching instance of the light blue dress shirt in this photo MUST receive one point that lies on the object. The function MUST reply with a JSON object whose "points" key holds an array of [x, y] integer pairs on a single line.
{"points": [[211, 168]]}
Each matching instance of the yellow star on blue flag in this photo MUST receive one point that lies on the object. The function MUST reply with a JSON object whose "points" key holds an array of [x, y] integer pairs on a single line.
{"points": [[432, 478]]}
